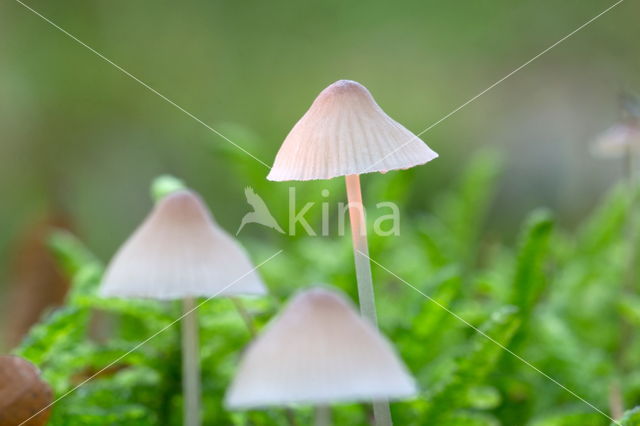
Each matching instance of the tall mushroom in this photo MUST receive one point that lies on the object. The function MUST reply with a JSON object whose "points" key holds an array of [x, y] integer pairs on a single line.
{"points": [[622, 140], [346, 133], [179, 252], [318, 351]]}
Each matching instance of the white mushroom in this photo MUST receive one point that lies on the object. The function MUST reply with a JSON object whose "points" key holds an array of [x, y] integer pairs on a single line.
{"points": [[346, 133], [179, 252], [343, 133], [319, 351]]}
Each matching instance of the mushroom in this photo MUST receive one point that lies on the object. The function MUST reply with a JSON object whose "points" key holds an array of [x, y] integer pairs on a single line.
{"points": [[346, 133], [318, 351], [617, 140], [179, 252], [622, 140], [24, 397]]}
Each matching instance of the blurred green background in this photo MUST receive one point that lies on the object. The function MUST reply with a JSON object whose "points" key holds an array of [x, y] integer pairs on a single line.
{"points": [[80, 141], [80, 135]]}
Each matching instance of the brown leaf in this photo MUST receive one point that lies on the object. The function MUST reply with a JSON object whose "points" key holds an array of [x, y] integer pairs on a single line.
{"points": [[22, 393]]}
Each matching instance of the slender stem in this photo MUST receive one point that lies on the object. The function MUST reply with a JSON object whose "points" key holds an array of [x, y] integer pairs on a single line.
{"points": [[246, 316], [190, 364], [616, 395], [382, 413], [366, 294], [323, 415], [632, 225], [627, 164], [291, 417], [616, 403]]}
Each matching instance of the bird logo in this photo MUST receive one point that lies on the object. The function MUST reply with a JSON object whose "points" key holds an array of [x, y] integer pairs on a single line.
{"points": [[260, 214]]}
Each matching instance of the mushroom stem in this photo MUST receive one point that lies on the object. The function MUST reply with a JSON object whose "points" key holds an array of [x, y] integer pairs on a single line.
{"points": [[627, 164], [366, 294], [357, 218], [190, 364], [616, 404], [323, 415], [246, 316]]}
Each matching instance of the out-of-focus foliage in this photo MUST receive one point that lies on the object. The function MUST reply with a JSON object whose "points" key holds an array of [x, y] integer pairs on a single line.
{"points": [[460, 307], [73, 126], [631, 417]]}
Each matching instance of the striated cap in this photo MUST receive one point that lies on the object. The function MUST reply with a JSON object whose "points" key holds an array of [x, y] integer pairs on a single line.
{"points": [[319, 351], [179, 251], [345, 132]]}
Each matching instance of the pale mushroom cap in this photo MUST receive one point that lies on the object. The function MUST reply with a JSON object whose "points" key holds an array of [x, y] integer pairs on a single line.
{"points": [[179, 251], [319, 351], [345, 132], [616, 141]]}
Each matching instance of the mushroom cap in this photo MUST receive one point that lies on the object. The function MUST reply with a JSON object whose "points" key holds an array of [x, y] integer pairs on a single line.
{"points": [[616, 141], [22, 393], [345, 132], [319, 351], [179, 251]]}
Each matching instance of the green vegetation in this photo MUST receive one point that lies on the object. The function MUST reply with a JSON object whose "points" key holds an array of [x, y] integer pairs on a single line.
{"points": [[560, 300]]}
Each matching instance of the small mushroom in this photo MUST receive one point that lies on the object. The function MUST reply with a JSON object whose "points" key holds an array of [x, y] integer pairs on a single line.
{"points": [[179, 252], [25, 399], [622, 140], [346, 133], [318, 351], [618, 140]]}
